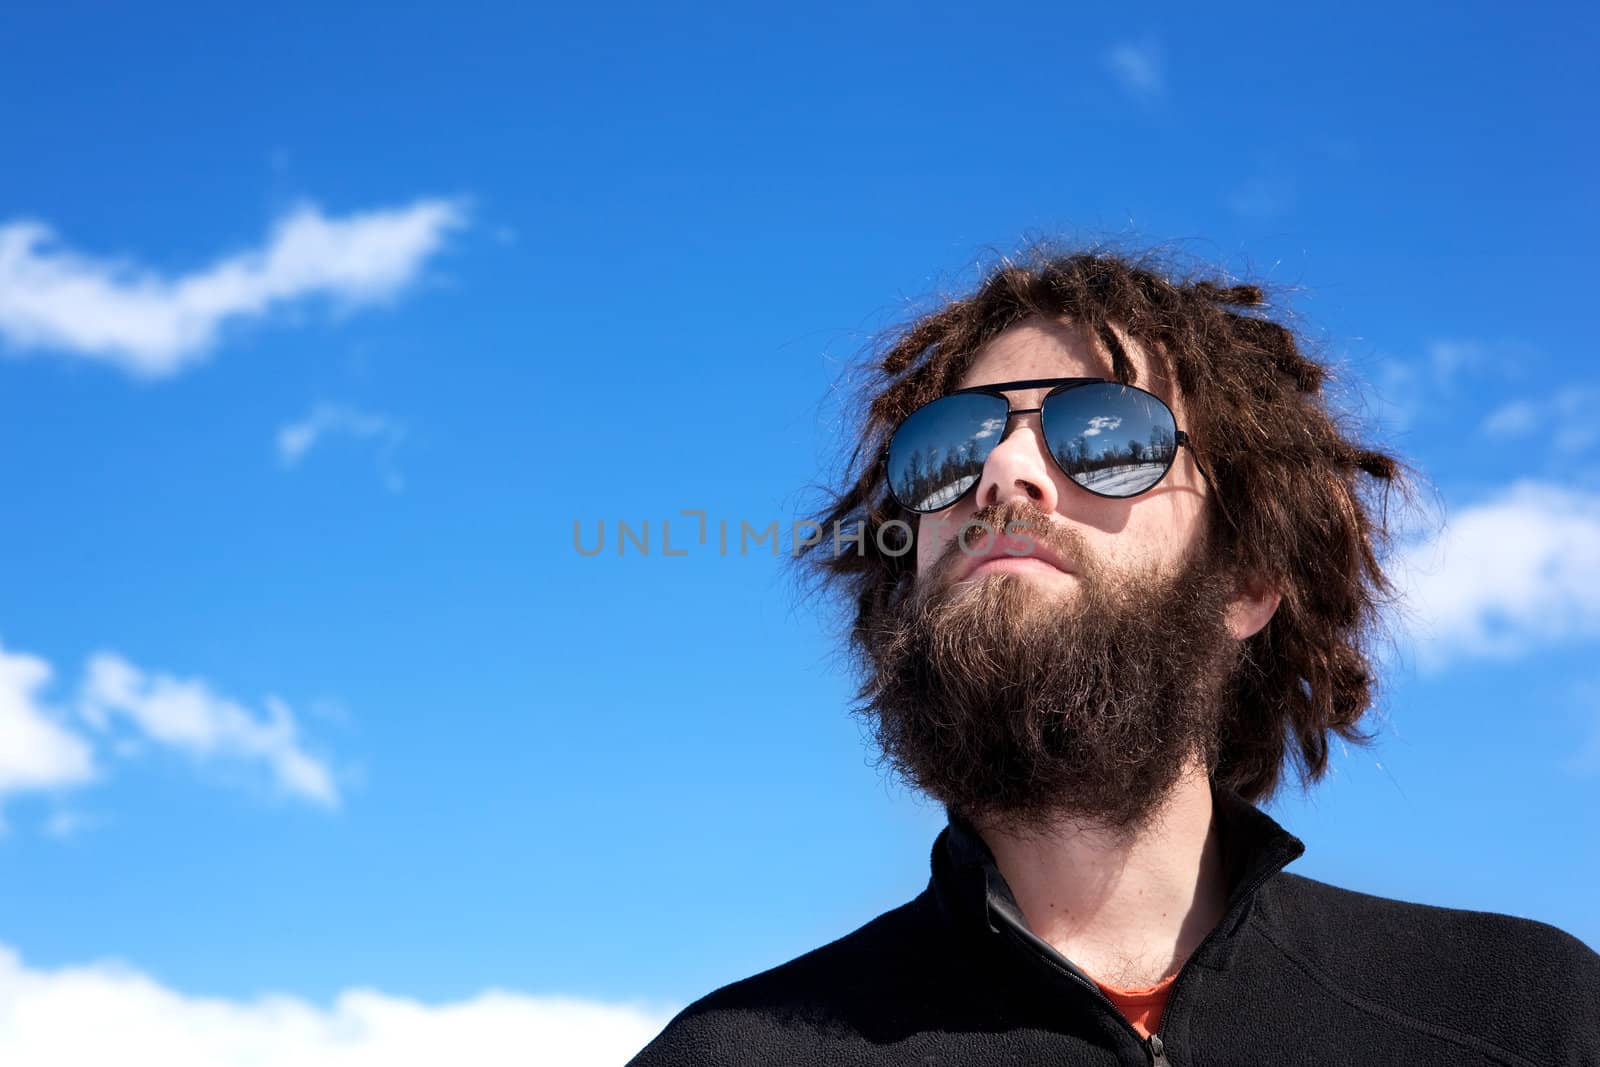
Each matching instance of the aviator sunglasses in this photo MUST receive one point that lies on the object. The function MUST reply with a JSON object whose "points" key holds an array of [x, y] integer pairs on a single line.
{"points": [[1112, 439]]}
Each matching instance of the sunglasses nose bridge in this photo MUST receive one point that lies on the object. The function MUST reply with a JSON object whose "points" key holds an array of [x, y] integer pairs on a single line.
{"points": [[1018, 466], [1022, 419]]}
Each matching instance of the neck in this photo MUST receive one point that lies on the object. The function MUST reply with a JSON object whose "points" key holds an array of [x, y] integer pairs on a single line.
{"points": [[1129, 911]]}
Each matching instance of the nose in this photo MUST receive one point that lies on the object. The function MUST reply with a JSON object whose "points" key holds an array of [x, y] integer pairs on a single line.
{"points": [[1018, 467]]}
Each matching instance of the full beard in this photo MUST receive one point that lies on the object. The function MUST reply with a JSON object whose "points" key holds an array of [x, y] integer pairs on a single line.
{"points": [[1019, 706]]}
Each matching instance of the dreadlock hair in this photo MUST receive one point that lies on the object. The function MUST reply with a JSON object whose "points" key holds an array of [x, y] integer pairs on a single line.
{"points": [[1288, 502]]}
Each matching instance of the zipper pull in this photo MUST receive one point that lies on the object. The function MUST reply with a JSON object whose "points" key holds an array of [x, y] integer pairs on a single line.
{"points": [[1158, 1052]]}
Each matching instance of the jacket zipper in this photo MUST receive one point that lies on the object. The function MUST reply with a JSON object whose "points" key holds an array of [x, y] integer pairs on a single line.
{"points": [[1054, 959], [1153, 1046]]}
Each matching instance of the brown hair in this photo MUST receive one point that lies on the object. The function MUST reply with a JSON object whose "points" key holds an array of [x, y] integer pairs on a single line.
{"points": [[1289, 504]]}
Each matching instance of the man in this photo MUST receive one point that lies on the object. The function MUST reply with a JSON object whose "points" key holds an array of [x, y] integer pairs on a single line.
{"points": [[1141, 576]]}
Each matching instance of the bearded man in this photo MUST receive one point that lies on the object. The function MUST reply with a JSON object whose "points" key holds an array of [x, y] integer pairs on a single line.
{"points": [[1141, 576]]}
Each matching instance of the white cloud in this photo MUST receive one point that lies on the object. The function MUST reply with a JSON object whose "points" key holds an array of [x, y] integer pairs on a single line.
{"points": [[185, 714], [1517, 570], [93, 1015], [295, 439], [38, 751], [989, 427], [44, 749], [1138, 68], [149, 325]]}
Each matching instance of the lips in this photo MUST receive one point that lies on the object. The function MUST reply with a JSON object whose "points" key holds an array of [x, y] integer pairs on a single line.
{"points": [[1004, 548]]}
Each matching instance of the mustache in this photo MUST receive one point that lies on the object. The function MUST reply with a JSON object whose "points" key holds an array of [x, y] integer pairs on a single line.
{"points": [[1014, 520]]}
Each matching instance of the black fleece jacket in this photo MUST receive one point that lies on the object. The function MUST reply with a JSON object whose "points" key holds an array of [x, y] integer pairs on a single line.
{"points": [[1297, 972]]}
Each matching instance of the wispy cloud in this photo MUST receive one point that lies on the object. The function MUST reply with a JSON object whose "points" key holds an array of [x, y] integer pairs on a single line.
{"points": [[1512, 420], [295, 439], [120, 710], [117, 312], [1262, 197], [45, 1011], [1565, 418], [64, 824], [187, 715], [1505, 575], [1584, 758], [1406, 389], [1451, 359], [1139, 69]]}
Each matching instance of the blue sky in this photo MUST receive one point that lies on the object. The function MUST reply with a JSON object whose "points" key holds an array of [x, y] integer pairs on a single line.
{"points": [[320, 329]]}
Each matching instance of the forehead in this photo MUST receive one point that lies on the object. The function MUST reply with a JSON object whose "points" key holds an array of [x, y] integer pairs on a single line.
{"points": [[1044, 348]]}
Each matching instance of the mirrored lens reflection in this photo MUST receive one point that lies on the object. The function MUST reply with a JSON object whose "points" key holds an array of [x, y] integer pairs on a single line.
{"points": [[938, 453], [1110, 438]]}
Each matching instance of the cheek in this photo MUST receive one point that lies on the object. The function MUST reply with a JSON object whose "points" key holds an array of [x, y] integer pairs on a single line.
{"points": [[932, 536], [1162, 543]]}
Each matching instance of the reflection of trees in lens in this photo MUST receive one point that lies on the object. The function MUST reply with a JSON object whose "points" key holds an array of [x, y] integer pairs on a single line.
{"points": [[1074, 455], [1162, 442], [1092, 460], [929, 483]]}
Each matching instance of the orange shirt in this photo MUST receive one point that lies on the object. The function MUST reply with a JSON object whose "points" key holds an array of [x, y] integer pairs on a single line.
{"points": [[1142, 1007]]}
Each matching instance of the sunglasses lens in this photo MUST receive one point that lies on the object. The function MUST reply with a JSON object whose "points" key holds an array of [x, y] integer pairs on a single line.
{"points": [[938, 453], [1110, 438]]}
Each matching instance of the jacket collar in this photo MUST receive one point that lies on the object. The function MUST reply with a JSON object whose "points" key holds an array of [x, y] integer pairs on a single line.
{"points": [[973, 894]]}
